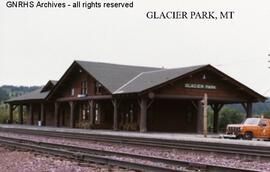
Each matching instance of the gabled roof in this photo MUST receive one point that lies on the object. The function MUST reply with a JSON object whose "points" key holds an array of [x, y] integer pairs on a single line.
{"points": [[37, 95], [50, 84], [153, 79], [146, 80], [124, 79], [238, 84], [113, 76], [54, 82], [34, 95]]}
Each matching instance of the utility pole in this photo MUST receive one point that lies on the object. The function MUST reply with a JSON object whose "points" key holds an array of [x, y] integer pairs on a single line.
{"points": [[205, 106]]}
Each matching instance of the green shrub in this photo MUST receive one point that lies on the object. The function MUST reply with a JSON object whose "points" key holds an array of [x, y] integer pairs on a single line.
{"points": [[3, 113], [229, 116], [266, 114], [226, 116]]}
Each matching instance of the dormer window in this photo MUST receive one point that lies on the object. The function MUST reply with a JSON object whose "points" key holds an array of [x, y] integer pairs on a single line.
{"points": [[98, 88], [84, 87]]}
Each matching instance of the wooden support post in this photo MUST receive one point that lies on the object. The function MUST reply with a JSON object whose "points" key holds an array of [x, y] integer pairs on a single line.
{"points": [[115, 115], [31, 114], [10, 113], [215, 122], [143, 115], [56, 114], [248, 108], [216, 109], [71, 105], [199, 117], [205, 105], [21, 114], [63, 122], [91, 114], [42, 115], [80, 112]]}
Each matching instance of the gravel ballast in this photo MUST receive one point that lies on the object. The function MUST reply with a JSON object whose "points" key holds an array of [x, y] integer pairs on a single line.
{"points": [[191, 156], [23, 161]]}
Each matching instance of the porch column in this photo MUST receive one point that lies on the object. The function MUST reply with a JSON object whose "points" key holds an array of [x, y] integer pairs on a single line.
{"points": [[115, 115], [21, 114], [216, 108], [91, 114], [248, 108], [71, 122], [10, 113], [31, 114], [143, 115], [56, 114], [42, 115], [199, 117]]}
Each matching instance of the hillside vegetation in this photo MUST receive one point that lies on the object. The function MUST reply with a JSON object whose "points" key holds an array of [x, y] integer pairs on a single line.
{"points": [[258, 108], [7, 92]]}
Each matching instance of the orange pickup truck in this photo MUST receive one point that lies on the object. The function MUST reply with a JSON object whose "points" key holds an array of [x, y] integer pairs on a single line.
{"points": [[249, 129]]}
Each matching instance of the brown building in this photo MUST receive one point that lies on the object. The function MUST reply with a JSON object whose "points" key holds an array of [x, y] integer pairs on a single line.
{"points": [[121, 97]]}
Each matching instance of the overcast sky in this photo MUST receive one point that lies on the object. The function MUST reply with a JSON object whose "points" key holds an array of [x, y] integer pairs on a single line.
{"points": [[40, 44]]}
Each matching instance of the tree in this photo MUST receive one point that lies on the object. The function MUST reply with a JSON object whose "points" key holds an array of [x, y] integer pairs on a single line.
{"points": [[3, 114], [229, 116], [3, 95], [210, 119], [226, 116], [266, 114]]}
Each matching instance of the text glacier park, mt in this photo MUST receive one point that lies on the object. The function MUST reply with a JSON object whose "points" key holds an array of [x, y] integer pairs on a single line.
{"points": [[190, 15]]}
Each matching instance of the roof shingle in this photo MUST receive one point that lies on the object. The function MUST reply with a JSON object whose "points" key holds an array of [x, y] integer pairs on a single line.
{"points": [[151, 79], [123, 79], [113, 76], [34, 95]]}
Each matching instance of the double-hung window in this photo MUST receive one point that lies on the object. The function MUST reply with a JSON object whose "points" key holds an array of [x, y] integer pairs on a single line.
{"points": [[84, 87]]}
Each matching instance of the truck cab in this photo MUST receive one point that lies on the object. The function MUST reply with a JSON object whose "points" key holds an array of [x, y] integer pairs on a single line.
{"points": [[250, 128]]}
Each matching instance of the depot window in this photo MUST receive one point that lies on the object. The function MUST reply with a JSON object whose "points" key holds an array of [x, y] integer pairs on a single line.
{"points": [[98, 88], [84, 111], [72, 92], [97, 114], [84, 87]]}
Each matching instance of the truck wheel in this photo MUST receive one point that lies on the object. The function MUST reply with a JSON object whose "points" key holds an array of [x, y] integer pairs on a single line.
{"points": [[248, 136]]}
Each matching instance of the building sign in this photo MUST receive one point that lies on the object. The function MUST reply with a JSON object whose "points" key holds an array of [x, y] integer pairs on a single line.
{"points": [[200, 86]]}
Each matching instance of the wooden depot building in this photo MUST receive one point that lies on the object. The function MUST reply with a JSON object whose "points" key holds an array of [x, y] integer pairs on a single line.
{"points": [[120, 97]]}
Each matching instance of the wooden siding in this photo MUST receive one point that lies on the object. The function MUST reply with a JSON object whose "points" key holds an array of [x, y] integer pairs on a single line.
{"points": [[224, 89], [172, 116], [49, 115], [73, 81]]}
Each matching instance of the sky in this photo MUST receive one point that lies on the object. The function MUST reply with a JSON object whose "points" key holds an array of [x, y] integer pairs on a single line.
{"points": [[37, 45]]}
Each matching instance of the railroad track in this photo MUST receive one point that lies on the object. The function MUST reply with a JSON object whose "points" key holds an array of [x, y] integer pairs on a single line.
{"points": [[112, 158], [243, 150]]}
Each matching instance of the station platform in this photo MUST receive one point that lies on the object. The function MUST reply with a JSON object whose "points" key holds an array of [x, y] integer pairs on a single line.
{"points": [[211, 138]]}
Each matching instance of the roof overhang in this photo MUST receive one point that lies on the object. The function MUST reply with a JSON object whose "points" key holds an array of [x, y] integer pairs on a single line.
{"points": [[256, 97], [65, 75]]}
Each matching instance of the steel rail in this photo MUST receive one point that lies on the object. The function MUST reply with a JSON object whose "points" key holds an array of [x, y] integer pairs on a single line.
{"points": [[103, 156], [84, 156], [245, 150]]}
